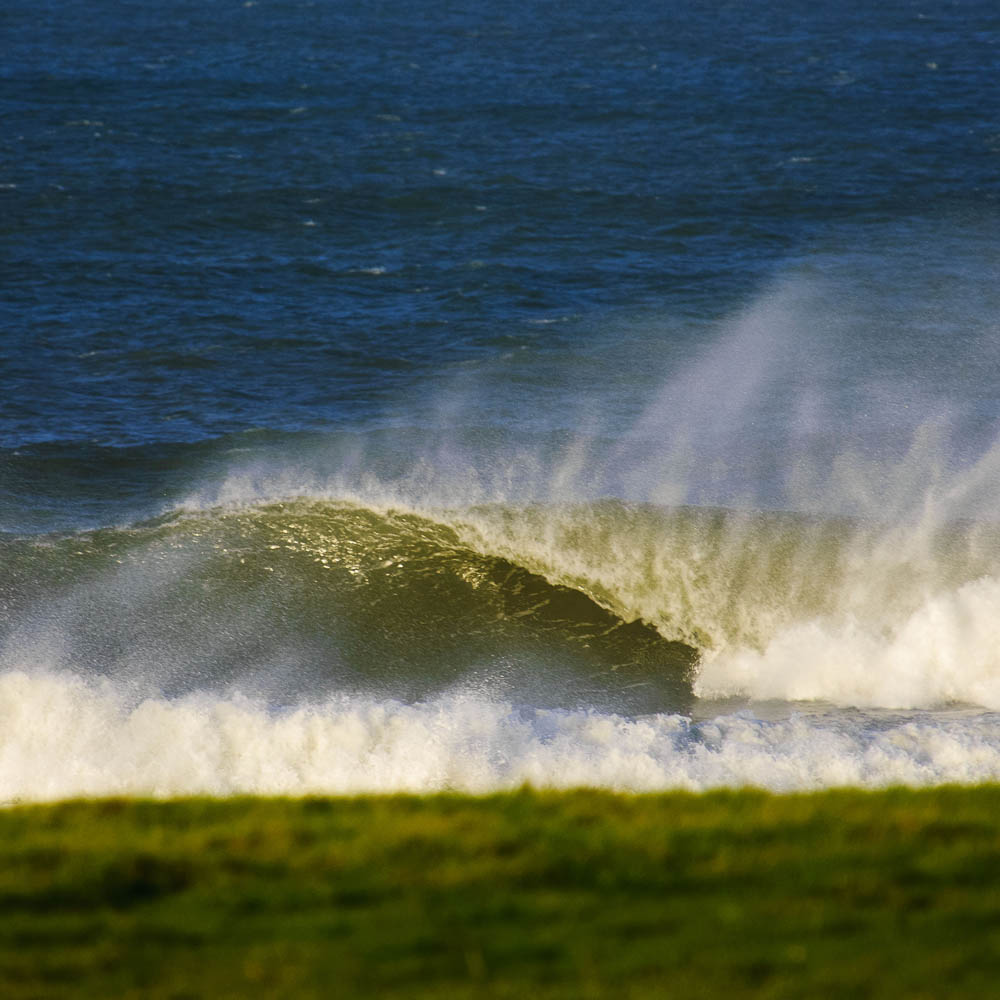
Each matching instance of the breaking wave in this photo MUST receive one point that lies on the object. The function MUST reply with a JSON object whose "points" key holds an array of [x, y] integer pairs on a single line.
{"points": [[630, 607]]}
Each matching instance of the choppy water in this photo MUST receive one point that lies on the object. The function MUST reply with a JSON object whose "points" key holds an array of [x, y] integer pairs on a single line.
{"points": [[403, 399]]}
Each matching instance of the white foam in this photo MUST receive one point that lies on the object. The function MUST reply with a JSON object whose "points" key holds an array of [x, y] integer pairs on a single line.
{"points": [[62, 736], [948, 650]]}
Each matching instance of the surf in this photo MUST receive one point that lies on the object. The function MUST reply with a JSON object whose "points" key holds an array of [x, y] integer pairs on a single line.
{"points": [[632, 607]]}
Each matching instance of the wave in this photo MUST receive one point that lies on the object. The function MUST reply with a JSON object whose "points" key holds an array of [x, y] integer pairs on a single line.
{"points": [[634, 608], [303, 598]]}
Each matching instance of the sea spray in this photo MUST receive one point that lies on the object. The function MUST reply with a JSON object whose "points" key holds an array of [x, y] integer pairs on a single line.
{"points": [[615, 598]]}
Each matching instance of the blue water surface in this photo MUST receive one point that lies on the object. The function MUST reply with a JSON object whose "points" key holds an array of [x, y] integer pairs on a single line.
{"points": [[285, 217]]}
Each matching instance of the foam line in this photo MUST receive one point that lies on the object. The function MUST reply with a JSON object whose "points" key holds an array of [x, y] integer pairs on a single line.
{"points": [[61, 736]]}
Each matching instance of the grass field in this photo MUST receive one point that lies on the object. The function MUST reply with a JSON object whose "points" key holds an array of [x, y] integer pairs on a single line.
{"points": [[581, 894]]}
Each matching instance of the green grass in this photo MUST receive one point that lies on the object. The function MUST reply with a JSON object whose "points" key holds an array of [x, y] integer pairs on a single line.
{"points": [[584, 894]]}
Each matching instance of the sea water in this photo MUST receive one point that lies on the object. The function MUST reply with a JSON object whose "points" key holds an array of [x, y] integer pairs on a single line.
{"points": [[401, 397]]}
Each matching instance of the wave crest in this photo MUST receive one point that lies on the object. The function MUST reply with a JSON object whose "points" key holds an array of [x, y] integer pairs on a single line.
{"points": [[633, 607]]}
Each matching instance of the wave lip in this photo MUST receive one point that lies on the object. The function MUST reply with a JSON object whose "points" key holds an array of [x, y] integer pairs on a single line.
{"points": [[849, 611]]}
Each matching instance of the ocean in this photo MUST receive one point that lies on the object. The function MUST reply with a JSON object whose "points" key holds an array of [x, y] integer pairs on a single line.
{"points": [[402, 396]]}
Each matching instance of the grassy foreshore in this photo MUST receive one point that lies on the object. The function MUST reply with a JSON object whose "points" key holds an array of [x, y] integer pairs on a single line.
{"points": [[584, 894]]}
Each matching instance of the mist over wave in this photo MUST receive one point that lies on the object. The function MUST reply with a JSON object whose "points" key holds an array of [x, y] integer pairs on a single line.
{"points": [[810, 500]]}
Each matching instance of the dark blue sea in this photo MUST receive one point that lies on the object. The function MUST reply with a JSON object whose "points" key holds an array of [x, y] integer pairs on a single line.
{"points": [[463, 395]]}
